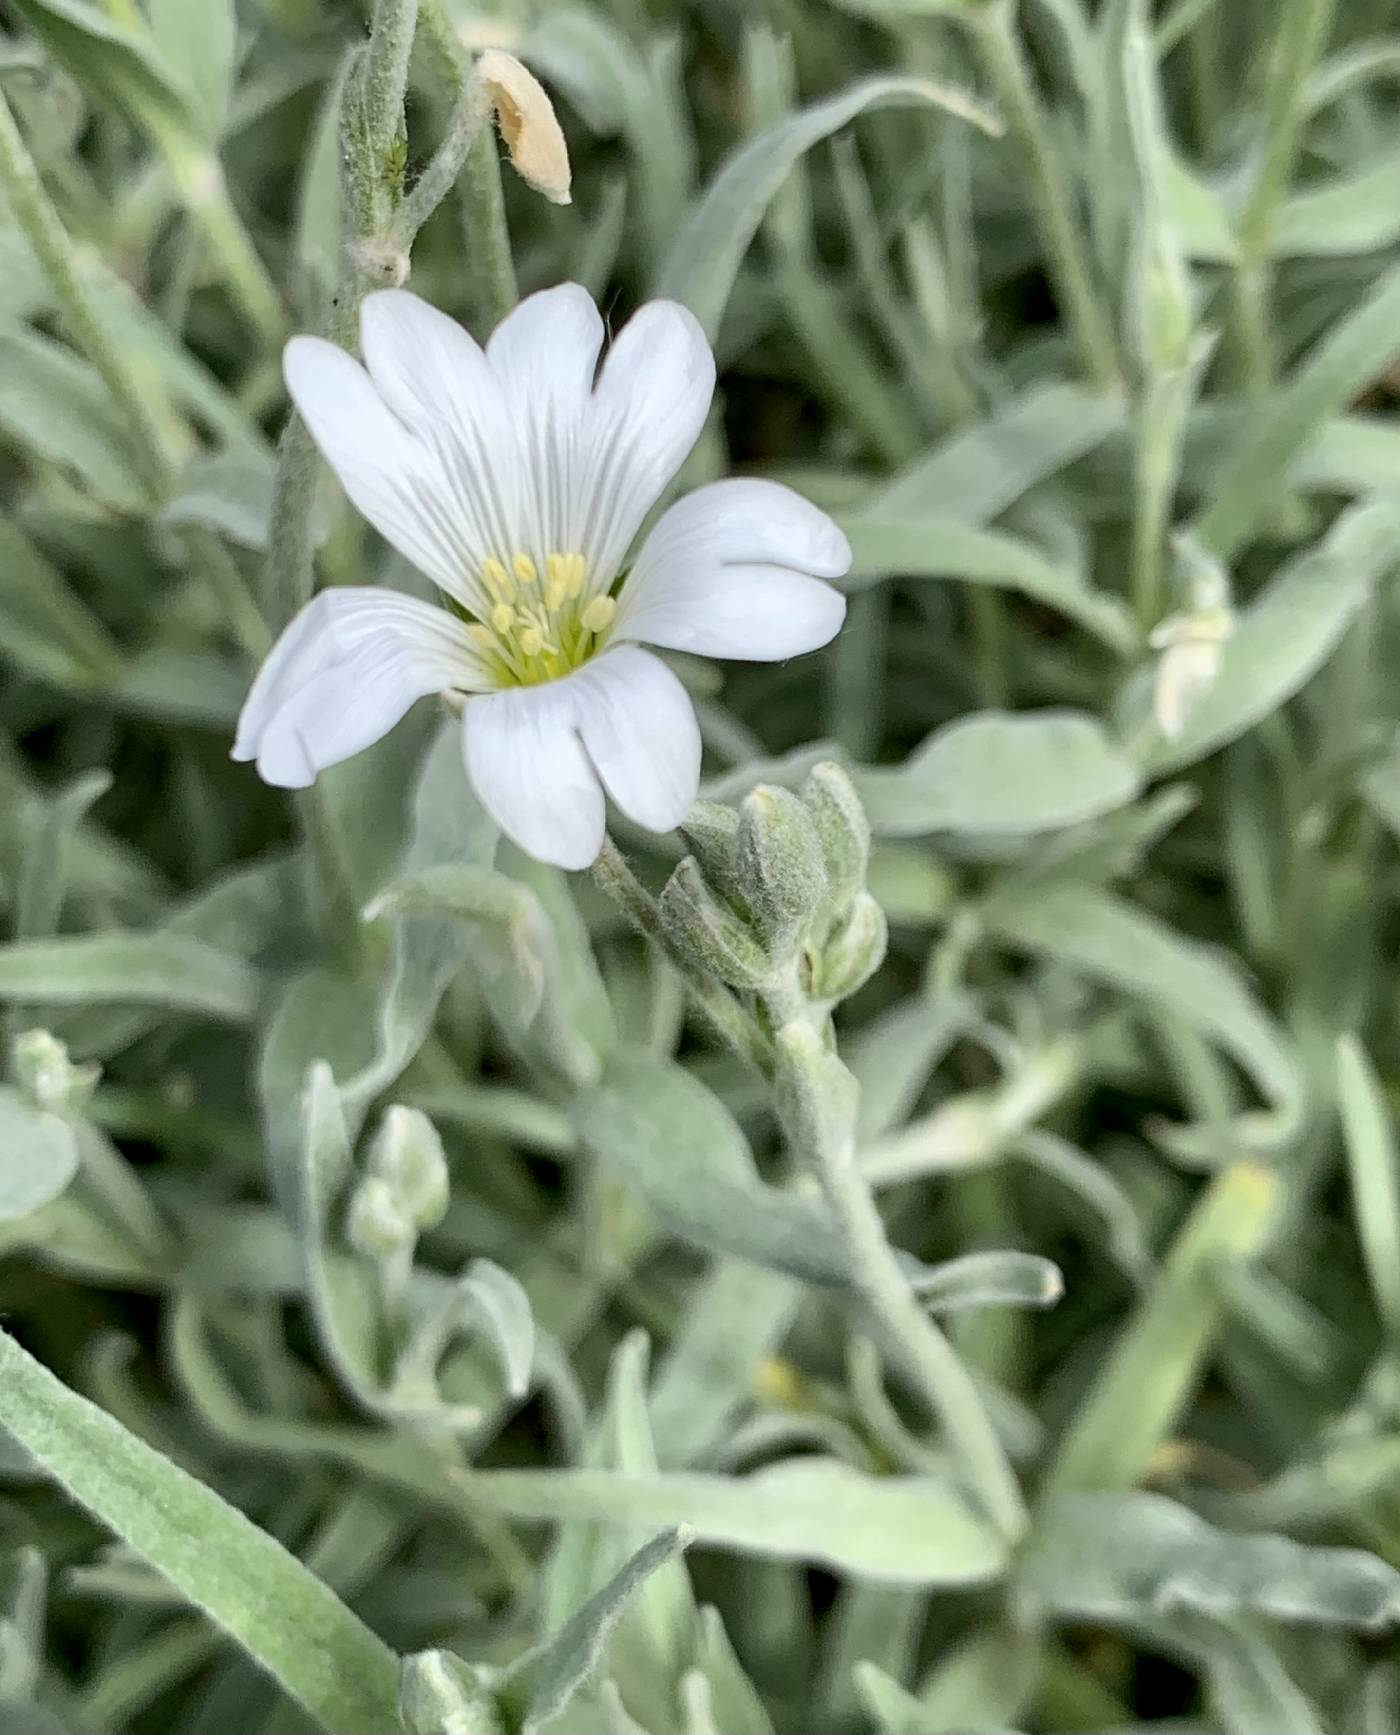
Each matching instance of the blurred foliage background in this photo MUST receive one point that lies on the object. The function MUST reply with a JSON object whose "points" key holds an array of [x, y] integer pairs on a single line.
{"points": [[1084, 318]]}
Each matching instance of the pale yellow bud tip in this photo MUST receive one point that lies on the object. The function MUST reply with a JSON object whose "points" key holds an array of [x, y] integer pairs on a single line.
{"points": [[528, 123]]}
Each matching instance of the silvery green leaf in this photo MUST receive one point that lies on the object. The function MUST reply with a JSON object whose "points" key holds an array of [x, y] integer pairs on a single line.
{"points": [[990, 1280], [244, 1580], [739, 1710], [540, 1684], [198, 46], [38, 1156], [1250, 1689], [675, 1142], [994, 773], [230, 492], [502, 1310], [912, 545], [973, 476], [899, 1529], [1111, 1557], [1281, 639], [155, 969], [54, 406], [1374, 1163], [44, 872], [1354, 352], [892, 1708], [45, 629], [1104, 937], [704, 259], [117, 58]]}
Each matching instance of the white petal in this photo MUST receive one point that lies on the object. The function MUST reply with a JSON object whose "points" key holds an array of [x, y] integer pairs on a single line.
{"points": [[433, 376], [394, 480], [648, 408], [735, 570], [545, 354], [341, 676], [528, 765], [639, 727]]}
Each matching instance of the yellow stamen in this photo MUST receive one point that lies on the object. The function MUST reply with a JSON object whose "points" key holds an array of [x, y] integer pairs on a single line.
{"points": [[598, 613], [556, 568], [525, 569], [482, 636], [497, 580], [578, 567], [531, 641], [503, 617]]}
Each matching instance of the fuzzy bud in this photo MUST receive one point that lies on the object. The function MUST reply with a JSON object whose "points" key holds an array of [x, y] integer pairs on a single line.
{"points": [[377, 1224], [439, 1694], [842, 830], [712, 831], [853, 954], [407, 1156], [708, 932], [528, 124], [781, 868], [40, 1067]]}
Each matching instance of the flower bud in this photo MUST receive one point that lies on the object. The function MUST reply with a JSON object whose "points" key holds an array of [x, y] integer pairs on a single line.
{"points": [[377, 1224], [843, 832], [781, 870], [407, 1156], [708, 932], [439, 1694], [528, 123], [854, 952], [712, 831], [40, 1067]]}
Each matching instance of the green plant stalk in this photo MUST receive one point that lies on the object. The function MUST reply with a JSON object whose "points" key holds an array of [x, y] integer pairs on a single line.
{"points": [[993, 30], [922, 1349], [1160, 425], [713, 1001], [286, 1619], [491, 285], [1300, 36], [199, 177]]}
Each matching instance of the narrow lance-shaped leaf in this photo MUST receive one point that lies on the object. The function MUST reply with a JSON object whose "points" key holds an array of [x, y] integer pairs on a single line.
{"points": [[704, 259], [290, 1623]]}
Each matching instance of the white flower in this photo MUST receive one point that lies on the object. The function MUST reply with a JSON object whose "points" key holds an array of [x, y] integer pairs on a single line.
{"points": [[517, 483]]}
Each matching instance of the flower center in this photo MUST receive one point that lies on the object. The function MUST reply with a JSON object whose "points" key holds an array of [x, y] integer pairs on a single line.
{"points": [[539, 625]]}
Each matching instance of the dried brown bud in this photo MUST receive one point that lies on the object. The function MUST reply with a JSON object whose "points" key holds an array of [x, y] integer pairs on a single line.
{"points": [[528, 123]]}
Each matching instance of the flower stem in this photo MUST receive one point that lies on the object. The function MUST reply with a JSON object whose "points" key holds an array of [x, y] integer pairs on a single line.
{"points": [[1299, 37], [492, 290], [819, 1096], [710, 998], [994, 32]]}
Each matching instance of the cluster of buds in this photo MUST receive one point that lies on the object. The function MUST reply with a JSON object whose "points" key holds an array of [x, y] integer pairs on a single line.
{"points": [[403, 1191], [42, 1071], [772, 899]]}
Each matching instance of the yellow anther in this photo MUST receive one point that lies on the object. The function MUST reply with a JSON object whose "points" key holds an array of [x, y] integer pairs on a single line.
{"points": [[598, 613], [482, 636], [578, 568], [556, 568], [525, 569], [497, 580], [531, 641], [503, 617], [554, 594]]}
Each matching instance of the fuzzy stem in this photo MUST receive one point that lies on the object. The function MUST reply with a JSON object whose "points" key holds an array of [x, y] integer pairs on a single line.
{"points": [[820, 1095], [994, 32], [710, 998], [1299, 38]]}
